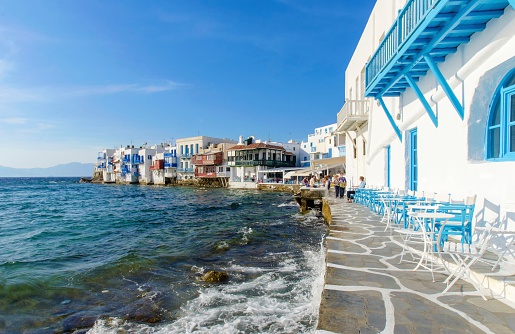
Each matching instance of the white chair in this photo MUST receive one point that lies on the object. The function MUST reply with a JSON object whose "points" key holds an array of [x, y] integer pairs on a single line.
{"points": [[464, 256], [503, 245]]}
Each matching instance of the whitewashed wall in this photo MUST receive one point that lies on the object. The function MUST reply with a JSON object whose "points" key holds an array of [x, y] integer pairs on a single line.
{"points": [[451, 156]]}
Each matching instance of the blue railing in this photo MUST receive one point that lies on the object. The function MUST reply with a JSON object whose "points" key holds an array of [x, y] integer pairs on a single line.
{"points": [[170, 165], [407, 21], [189, 169]]}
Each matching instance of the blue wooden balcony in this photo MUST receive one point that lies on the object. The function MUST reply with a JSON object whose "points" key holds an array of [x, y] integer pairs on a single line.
{"points": [[424, 33]]}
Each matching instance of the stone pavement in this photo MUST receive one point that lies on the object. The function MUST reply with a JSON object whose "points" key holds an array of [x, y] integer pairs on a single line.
{"points": [[367, 290]]}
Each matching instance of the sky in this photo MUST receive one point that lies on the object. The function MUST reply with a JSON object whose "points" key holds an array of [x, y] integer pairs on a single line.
{"points": [[80, 76]]}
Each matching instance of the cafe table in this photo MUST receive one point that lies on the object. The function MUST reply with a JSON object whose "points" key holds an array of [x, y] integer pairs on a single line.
{"points": [[427, 222]]}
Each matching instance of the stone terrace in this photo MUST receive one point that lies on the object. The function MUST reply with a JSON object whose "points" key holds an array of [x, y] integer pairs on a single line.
{"points": [[367, 290]]}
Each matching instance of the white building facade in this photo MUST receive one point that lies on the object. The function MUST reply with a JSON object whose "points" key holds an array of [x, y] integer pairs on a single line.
{"points": [[324, 150], [433, 84]]}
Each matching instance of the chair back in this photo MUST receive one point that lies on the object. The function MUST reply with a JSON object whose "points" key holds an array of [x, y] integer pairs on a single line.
{"points": [[419, 194], [429, 195], [442, 197], [507, 216]]}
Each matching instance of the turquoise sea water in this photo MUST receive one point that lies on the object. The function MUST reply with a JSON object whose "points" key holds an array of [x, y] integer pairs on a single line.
{"points": [[123, 258]]}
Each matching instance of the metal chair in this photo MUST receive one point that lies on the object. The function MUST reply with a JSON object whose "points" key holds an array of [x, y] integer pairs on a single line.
{"points": [[461, 224], [464, 256]]}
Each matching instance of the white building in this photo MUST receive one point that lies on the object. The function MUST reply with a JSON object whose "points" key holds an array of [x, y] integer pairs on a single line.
{"points": [[164, 164], [105, 165], [430, 100], [324, 150], [129, 165]]}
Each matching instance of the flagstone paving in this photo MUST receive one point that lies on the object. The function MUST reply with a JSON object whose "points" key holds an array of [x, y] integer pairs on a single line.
{"points": [[367, 290]]}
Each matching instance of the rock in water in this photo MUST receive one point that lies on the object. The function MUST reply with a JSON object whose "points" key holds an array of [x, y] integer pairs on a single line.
{"points": [[215, 276]]}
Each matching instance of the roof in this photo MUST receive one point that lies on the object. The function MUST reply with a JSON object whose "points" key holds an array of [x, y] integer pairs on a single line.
{"points": [[256, 146]]}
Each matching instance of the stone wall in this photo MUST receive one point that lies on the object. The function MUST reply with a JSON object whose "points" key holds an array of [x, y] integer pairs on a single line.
{"points": [[291, 188]]}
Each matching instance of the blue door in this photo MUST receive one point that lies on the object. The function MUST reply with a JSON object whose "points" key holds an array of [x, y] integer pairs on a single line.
{"points": [[413, 163], [388, 162]]}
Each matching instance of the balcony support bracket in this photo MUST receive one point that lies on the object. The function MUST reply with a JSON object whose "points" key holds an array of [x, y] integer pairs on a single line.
{"points": [[390, 118], [422, 99], [445, 86], [351, 139]]}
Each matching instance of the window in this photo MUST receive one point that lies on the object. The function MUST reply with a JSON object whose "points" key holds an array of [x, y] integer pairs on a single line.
{"points": [[500, 139]]}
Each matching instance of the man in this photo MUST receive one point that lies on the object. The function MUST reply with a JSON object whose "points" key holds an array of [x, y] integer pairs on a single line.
{"points": [[343, 184], [336, 185]]}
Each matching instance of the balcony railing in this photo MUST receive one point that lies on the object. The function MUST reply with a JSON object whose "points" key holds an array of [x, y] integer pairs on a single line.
{"points": [[137, 160], [185, 170], [170, 165], [407, 21], [352, 112], [207, 162], [209, 174], [268, 163]]}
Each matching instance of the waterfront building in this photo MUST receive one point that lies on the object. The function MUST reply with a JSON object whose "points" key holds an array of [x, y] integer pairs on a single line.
{"points": [[129, 165], [104, 166], [250, 158], [170, 164], [146, 157], [164, 165], [324, 152], [211, 164], [187, 147], [430, 100]]}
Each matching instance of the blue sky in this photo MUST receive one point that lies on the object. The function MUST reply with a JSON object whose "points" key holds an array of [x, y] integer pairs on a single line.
{"points": [[80, 76]]}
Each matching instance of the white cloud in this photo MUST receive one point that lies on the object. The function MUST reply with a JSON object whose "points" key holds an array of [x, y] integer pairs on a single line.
{"points": [[14, 94], [14, 120]]}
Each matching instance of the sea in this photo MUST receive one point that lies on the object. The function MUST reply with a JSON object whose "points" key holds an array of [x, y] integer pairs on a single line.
{"points": [[104, 258]]}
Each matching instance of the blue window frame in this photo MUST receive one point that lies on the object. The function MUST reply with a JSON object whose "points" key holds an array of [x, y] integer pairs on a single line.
{"points": [[500, 138], [413, 163]]}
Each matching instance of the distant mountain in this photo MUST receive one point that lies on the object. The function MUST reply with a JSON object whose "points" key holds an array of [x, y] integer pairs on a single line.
{"points": [[70, 169]]}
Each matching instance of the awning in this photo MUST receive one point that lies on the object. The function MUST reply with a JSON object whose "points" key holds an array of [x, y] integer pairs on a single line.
{"points": [[289, 174], [329, 162], [302, 172]]}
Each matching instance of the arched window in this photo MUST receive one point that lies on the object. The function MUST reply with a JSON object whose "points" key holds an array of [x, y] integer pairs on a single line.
{"points": [[500, 139]]}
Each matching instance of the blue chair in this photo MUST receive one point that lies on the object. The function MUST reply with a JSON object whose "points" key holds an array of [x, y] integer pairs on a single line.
{"points": [[461, 224]]}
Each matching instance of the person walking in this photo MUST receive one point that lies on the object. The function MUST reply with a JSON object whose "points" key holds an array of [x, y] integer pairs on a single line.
{"points": [[342, 182], [336, 185]]}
